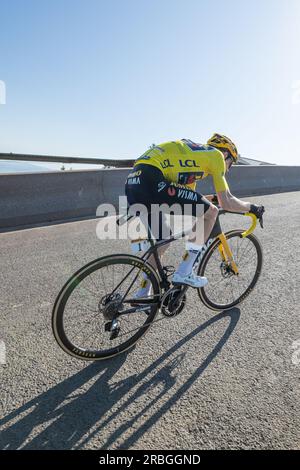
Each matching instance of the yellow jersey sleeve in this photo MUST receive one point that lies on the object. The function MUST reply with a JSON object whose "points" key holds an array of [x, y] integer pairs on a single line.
{"points": [[218, 168]]}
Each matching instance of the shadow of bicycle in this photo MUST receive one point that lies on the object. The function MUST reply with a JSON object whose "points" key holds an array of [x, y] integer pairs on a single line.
{"points": [[70, 420]]}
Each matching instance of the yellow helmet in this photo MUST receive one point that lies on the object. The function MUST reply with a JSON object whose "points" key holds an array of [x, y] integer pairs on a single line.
{"points": [[223, 142]]}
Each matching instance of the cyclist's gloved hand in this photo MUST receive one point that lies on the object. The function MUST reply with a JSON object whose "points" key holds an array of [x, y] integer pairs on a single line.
{"points": [[257, 210]]}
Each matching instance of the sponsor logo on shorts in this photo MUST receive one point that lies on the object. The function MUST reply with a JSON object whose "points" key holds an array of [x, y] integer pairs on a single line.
{"points": [[186, 194], [161, 186], [135, 174], [134, 177], [134, 181], [171, 191]]}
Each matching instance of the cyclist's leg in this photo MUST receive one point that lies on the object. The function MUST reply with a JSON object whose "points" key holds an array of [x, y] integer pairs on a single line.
{"points": [[205, 213], [204, 225], [196, 240]]}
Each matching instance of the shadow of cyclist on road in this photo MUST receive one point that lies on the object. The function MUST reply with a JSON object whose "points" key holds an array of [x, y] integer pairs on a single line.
{"points": [[74, 419]]}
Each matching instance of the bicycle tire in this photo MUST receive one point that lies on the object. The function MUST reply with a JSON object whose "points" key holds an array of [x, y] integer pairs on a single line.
{"points": [[202, 292]]}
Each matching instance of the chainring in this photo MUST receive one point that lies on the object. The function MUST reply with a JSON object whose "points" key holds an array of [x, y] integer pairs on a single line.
{"points": [[169, 306]]}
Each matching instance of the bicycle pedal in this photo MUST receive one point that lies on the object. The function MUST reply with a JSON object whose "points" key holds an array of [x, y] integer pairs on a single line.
{"points": [[114, 333], [169, 270], [107, 326]]}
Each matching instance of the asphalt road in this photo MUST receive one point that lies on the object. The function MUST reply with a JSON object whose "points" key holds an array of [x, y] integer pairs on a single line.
{"points": [[198, 381]]}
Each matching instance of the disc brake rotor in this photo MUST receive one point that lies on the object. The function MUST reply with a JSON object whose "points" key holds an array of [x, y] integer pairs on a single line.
{"points": [[109, 305]]}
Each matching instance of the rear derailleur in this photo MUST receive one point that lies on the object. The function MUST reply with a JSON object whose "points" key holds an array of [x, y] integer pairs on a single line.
{"points": [[109, 307]]}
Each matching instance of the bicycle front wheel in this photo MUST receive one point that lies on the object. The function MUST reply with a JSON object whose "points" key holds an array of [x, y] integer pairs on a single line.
{"points": [[99, 296], [225, 289]]}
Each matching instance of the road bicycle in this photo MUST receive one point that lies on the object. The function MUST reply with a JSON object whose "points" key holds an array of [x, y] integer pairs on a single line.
{"points": [[96, 315]]}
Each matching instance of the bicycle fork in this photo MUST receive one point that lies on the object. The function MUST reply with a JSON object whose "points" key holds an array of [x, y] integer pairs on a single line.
{"points": [[226, 253]]}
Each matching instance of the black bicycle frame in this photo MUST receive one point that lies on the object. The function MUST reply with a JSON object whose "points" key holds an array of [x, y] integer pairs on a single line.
{"points": [[155, 245]]}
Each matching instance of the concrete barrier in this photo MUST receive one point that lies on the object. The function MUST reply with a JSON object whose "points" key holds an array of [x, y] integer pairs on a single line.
{"points": [[258, 180], [30, 198]]}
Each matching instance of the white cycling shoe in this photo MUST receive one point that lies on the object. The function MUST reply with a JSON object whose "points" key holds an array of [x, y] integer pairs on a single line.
{"points": [[142, 293], [189, 279]]}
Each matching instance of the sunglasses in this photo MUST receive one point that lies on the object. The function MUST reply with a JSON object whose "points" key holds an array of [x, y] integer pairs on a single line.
{"points": [[231, 161]]}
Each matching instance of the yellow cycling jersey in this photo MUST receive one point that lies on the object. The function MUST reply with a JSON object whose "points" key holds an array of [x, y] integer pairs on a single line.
{"points": [[184, 162]]}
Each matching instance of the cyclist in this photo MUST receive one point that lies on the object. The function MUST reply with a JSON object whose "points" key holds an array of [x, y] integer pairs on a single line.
{"points": [[167, 173]]}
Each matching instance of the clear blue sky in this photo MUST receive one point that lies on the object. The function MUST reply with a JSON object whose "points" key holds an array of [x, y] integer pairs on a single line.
{"points": [[107, 78]]}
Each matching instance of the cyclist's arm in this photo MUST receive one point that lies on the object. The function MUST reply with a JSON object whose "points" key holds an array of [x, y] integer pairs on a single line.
{"points": [[231, 203], [226, 200]]}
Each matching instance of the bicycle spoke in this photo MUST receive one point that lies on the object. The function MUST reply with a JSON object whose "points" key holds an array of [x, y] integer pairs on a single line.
{"points": [[246, 252], [146, 325], [89, 290], [217, 283], [88, 308], [245, 248], [103, 282], [237, 247]]}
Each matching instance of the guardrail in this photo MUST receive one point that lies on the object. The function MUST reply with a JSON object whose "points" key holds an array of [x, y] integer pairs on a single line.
{"points": [[58, 159], [29, 198]]}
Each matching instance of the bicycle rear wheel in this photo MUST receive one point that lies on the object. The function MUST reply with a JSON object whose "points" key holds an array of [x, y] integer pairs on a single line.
{"points": [[97, 295], [226, 289]]}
